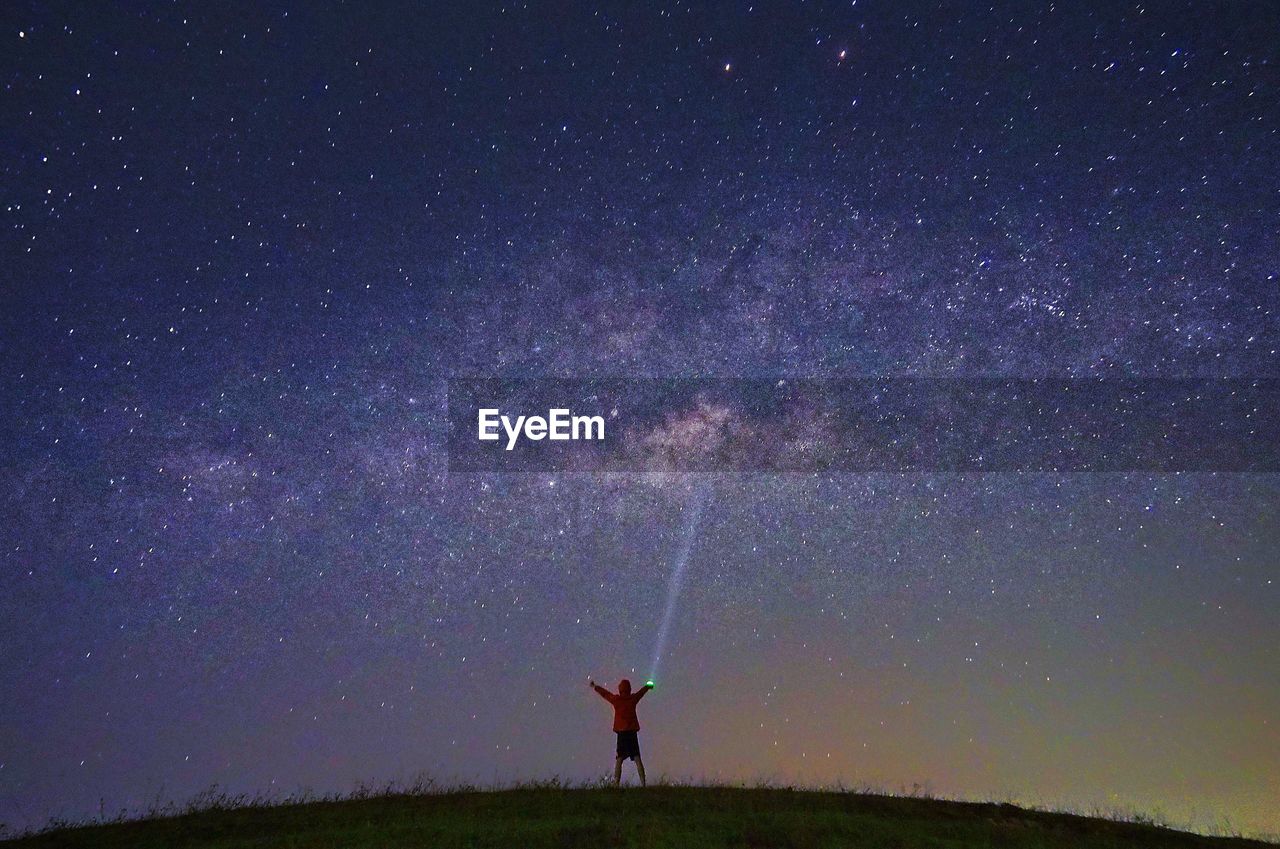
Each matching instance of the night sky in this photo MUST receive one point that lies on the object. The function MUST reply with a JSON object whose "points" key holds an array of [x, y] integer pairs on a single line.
{"points": [[245, 248]]}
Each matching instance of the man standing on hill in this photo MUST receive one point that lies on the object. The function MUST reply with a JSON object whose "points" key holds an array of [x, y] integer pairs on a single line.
{"points": [[625, 724]]}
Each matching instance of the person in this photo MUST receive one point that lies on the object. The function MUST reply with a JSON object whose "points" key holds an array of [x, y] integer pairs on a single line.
{"points": [[625, 724]]}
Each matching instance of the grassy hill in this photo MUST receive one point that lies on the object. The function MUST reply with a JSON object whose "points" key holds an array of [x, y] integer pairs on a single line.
{"points": [[666, 816]]}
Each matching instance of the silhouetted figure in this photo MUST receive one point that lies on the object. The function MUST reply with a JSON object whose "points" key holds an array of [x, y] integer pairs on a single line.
{"points": [[625, 724]]}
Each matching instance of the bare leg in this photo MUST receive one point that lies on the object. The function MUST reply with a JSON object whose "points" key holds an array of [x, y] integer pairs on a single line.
{"points": [[640, 769], [617, 771]]}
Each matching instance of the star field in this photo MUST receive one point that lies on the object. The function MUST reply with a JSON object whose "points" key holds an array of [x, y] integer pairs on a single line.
{"points": [[246, 247]]}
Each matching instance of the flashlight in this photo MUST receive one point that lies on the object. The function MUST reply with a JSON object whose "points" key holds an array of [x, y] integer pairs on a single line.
{"points": [[649, 683]]}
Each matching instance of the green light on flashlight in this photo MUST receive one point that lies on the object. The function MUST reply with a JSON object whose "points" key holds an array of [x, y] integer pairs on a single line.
{"points": [[649, 683]]}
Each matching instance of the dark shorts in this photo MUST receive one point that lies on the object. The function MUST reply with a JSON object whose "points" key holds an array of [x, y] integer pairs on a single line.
{"points": [[628, 744]]}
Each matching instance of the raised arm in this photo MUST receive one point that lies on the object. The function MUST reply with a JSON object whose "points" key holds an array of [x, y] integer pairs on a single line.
{"points": [[640, 693], [604, 694]]}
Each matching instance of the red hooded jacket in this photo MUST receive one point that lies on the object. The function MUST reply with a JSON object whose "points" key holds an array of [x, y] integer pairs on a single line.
{"points": [[624, 704]]}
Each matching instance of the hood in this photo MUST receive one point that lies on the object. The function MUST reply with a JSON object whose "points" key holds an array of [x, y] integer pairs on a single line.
{"points": [[624, 687]]}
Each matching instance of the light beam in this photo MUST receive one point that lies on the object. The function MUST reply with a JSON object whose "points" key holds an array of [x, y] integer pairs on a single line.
{"points": [[693, 514]]}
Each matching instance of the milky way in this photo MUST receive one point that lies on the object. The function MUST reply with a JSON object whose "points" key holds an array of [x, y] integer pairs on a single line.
{"points": [[246, 247]]}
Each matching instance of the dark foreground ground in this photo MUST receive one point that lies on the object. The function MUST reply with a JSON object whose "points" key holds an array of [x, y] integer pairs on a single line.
{"points": [[657, 817]]}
